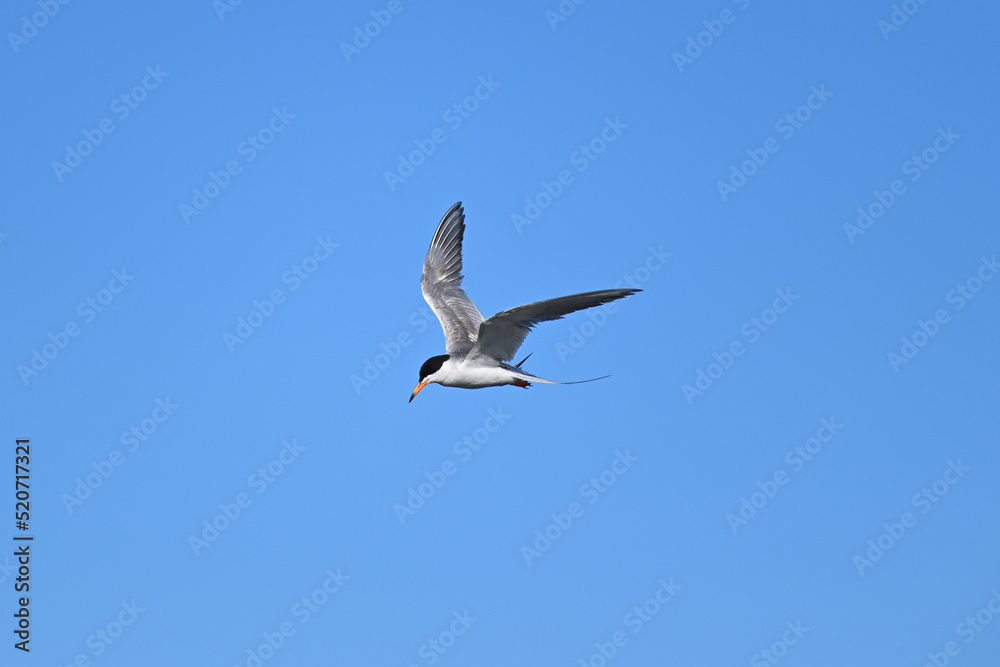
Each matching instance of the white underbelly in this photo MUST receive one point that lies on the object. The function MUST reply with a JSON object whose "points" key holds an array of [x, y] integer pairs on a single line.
{"points": [[476, 377]]}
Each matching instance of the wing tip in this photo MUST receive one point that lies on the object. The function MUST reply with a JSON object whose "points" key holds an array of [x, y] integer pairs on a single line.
{"points": [[456, 210], [454, 217]]}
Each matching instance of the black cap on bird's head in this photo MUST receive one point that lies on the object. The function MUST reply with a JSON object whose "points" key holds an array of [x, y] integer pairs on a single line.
{"points": [[430, 367]]}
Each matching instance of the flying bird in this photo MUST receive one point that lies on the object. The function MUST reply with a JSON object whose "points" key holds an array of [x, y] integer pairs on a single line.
{"points": [[477, 350]]}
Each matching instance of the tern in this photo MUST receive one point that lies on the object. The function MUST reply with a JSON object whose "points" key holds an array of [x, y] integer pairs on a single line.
{"points": [[477, 350]]}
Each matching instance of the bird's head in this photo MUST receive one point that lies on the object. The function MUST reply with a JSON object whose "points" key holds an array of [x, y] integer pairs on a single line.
{"points": [[428, 372]]}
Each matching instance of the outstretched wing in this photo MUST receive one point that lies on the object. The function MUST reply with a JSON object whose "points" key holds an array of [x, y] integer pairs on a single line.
{"points": [[441, 284], [501, 335]]}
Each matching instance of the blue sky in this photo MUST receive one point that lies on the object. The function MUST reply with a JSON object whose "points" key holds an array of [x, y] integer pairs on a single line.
{"points": [[215, 219]]}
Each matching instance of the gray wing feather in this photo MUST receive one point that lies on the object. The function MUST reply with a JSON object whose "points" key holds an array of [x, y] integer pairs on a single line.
{"points": [[441, 284], [501, 335]]}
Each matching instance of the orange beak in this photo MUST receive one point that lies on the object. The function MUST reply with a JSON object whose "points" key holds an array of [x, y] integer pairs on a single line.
{"points": [[420, 385]]}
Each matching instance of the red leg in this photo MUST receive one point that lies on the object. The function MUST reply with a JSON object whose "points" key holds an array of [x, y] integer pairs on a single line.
{"points": [[522, 383]]}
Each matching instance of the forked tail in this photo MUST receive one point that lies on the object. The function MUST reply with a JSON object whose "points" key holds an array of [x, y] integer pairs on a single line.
{"points": [[582, 381], [527, 377]]}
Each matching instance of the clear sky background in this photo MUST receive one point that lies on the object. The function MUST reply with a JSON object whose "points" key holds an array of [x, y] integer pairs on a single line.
{"points": [[212, 305]]}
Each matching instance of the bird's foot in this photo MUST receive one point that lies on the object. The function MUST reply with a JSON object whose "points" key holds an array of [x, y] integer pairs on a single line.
{"points": [[522, 383]]}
